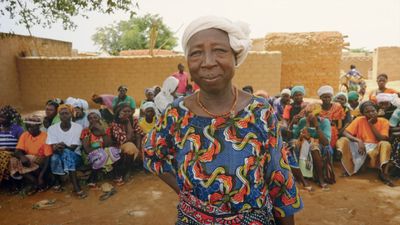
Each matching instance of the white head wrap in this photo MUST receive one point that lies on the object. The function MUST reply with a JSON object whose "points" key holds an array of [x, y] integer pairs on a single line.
{"points": [[238, 33], [77, 102], [383, 97], [326, 89], [164, 98], [396, 100], [147, 105], [95, 111], [286, 91]]}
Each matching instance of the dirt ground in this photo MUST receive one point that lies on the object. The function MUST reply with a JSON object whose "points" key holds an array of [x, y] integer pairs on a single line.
{"points": [[358, 200]]}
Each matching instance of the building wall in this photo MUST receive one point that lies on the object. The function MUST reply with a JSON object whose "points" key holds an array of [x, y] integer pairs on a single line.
{"points": [[387, 60], [43, 78], [13, 46], [309, 59], [362, 63], [258, 44]]}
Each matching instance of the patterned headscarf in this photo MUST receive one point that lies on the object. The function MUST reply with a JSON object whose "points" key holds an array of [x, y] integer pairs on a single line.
{"points": [[11, 115], [66, 106]]}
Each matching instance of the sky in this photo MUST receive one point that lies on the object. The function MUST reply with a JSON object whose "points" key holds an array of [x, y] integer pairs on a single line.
{"points": [[368, 24]]}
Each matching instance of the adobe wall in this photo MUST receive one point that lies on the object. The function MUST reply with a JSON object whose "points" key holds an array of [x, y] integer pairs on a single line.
{"points": [[363, 64], [387, 60]]}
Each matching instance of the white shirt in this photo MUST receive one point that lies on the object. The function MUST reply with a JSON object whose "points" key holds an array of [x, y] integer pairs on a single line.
{"points": [[71, 137]]}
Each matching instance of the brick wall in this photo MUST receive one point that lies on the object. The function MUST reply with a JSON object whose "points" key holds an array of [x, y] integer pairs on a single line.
{"points": [[387, 60], [12, 46], [362, 62], [48, 77], [309, 59]]}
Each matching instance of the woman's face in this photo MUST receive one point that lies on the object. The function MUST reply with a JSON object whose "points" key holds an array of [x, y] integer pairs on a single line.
{"points": [[381, 82], [353, 103], [93, 118], [298, 97], [122, 92], [384, 105], [65, 115], [125, 113], [370, 112], [78, 112], [51, 111], [341, 100], [326, 99], [149, 113], [211, 59], [33, 129], [150, 96]]}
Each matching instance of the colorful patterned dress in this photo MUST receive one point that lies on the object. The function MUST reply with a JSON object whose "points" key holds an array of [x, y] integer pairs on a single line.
{"points": [[229, 171]]}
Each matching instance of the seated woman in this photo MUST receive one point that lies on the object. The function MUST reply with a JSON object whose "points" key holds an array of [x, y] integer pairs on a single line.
{"points": [[64, 138], [51, 111], [366, 136], [123, 98], [394, 123], [148, 121], [312, 137], [332, 111], [341, 98], [381, 80], [386, 108], [353, 98], [97, 144], [80, 107], [149, 93], [127, 136], [281, 102], [32, 156], [10, 132], [291, 113]]}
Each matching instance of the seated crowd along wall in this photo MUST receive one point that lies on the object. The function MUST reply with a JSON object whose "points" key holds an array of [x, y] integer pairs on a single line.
{"points": [[42, 78], [13, 46], [387, 60], [362, 63], [309, 59]]}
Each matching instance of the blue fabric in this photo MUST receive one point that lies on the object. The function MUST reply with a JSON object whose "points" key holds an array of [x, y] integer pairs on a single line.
{"points": [[65, 162]]}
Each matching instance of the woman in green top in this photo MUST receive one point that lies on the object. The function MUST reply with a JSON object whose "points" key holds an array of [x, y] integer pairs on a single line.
{"points": [[123, 98], [313, 135]]}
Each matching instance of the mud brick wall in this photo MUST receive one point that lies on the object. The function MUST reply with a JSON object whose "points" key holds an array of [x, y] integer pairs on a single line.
{"points": [[43, 78], [387, 60], [309, 59], [363, 64], [12, 46]]}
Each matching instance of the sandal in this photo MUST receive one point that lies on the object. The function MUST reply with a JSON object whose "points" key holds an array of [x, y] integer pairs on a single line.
{"points": [[58, 189], [324, 187], [81, 194], [308, 188], [93, 186]]}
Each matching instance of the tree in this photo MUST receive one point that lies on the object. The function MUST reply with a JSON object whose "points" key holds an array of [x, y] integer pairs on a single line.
{"points": [[146, 32], [47, 12]]}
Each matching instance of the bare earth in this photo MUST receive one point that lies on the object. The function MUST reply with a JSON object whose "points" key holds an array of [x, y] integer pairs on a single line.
{"points": [[359, 200]]}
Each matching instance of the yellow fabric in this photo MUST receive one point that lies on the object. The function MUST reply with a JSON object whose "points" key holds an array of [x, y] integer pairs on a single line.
{"points": [[146, 127], [380, 155]]}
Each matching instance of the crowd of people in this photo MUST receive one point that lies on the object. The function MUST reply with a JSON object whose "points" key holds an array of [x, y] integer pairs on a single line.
{"points": [[228, 153]]}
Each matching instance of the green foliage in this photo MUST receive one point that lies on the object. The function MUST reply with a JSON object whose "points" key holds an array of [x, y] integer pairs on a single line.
{"points": [[134, 33], [359, 50], [47, 12]]}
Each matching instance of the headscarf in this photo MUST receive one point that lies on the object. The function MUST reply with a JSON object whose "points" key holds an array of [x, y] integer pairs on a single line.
{"points": [[66, 106], [286, 91], [95, 111], [11, 114], [238, 34], [77, 102], [164, 98], [396, 100], [326, 89], [297, 89], [147, 105], [33, 120], [341, 94], [353, 95], [384, 97], [261, 93]]}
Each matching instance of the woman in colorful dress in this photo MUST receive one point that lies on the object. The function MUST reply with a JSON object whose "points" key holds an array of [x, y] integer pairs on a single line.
{"points": [[127, 136], [366, 138], [148, 121], [97, 144], [220, 149], [10, 132], [394, 123], [333, 111], [381, 80], [312, 146]]}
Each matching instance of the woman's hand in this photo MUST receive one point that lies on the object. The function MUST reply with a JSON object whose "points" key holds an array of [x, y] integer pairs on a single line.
{"points": [[25, 161], [361, 147]]}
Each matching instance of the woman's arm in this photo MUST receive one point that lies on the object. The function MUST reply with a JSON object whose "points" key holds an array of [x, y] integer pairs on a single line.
{"points": [[377, 134], [289, 220]]}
